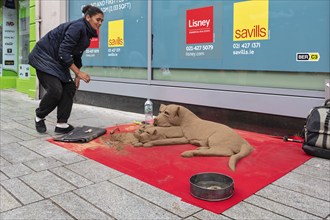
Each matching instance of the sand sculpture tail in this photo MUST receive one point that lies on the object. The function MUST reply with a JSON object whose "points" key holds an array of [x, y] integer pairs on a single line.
{"points": [[246, 149]]}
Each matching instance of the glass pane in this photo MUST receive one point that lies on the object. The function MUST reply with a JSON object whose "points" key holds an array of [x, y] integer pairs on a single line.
{"points": [[1, 34], [24, 34], [121, 49], [248, 43]]}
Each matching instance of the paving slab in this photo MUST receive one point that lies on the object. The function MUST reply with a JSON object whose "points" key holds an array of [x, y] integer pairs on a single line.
{"points": [[319, 163], [279, 208], [296, 200], [47, 184], [21, 191], [191, 218], [6, 138], [3, 176], [79, 208], [28, 127], [204, 214], [16, 170], [93, 171], [3, 161], [7, 201], [72, 177], [9, 125], [122, 204], [43, 163], [156, 196], [313, 172], [20, 134], [4, 118], [69, 157], [244, 210], [16, 153], [305, 185], [38, 211], [43, 147]]}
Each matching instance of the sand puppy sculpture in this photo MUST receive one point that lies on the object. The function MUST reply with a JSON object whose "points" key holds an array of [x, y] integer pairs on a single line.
{"points": [[149, 135], [213, 139]]}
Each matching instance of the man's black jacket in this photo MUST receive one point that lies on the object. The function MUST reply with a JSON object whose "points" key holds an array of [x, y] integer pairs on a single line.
{"points": [[61, 47]]}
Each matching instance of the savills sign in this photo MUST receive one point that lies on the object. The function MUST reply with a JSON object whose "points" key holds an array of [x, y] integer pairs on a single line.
{"points": [[250, 20]]}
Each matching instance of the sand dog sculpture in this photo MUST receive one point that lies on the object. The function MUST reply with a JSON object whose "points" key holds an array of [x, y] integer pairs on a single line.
{"points": [[145, 136], [212, 139], [177, 125], [149, 135]]}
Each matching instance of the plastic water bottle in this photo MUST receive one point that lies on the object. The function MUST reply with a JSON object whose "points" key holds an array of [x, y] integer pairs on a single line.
{"points": [[148, 112]]}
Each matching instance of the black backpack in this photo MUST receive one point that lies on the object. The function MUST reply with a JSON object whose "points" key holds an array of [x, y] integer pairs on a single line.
{"points": [[317, 131]]}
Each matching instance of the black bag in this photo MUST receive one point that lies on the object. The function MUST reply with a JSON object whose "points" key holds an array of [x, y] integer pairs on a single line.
{"points": [[317, 132], [82, 134]]}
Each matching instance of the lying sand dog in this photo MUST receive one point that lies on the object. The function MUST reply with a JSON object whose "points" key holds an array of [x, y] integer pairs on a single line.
{"points": [[213, 139], [146, 136], [150, 135]]}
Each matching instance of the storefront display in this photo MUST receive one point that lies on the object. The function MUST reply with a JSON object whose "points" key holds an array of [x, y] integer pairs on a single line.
{"points": [[122, 38]]}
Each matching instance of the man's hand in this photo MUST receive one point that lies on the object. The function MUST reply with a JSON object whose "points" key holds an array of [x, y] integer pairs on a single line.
{"points": [[79, 74], [84, 76], [77, 82]]}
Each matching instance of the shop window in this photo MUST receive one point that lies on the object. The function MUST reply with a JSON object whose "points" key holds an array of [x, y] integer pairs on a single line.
{"points": [[241, 43], [24, 37], [120, 51], [9, 39], [244, 43], [1, 36]]}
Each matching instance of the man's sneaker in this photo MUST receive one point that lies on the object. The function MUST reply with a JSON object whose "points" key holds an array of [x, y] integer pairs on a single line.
{"points": [[64, 130], [40, 126]]}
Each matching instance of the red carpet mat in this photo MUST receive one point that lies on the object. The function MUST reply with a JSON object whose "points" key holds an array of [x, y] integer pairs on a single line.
{"points": [[163, 167]]}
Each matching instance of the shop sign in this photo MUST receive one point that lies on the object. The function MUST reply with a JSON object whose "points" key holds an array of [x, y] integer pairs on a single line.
{"points": [[95, 41], [24, 71], [9, 39], [122, 38], [250, 20], [305, 57], [199, 25]]}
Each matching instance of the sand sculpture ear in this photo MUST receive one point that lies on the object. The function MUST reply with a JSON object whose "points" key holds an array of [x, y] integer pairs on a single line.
{"points": [[162, 107], [177, 111], [152, 131]]}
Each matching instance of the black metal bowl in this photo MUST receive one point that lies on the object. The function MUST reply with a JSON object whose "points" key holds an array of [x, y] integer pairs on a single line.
{"points": [[211, 186]]}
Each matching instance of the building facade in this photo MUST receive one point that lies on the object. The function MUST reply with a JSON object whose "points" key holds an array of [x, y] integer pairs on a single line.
{"points": [[247, 63]]}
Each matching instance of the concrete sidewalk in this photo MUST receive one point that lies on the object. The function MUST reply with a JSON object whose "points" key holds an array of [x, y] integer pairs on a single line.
{"points": [[39, 180]]}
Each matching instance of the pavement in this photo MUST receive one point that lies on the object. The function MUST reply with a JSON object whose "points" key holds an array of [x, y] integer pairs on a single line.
{"points": [[39, 180]]}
